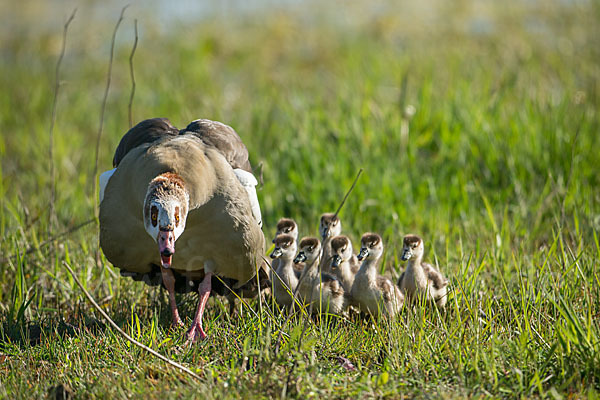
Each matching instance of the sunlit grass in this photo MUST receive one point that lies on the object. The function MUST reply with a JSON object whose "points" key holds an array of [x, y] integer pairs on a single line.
{"points": [[498, 172]]}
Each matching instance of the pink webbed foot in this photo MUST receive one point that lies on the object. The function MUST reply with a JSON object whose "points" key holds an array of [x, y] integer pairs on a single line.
{"points": [[196, 331], [194, 334]]}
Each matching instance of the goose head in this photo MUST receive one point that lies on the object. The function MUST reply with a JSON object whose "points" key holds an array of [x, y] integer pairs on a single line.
{"points": [[371, 247], [342, 250], [412, 247], [329, 226], [165, 212], [287, 226], [285, 247], [310, 250]]}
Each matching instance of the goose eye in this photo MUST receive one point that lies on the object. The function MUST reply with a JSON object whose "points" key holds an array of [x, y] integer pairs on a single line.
{"points": [[414, 246], [154, 215]]}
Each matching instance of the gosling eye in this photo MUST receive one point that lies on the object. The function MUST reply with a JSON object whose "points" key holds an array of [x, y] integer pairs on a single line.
{"points": [[176, 216], [414, 246]]}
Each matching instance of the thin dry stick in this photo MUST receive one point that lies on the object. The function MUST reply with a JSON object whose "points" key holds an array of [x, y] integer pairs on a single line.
{"points": [[125, 335], [135, 42], [103, 108], [52, 212]]}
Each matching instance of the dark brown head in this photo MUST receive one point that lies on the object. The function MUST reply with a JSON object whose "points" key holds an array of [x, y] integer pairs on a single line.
{"points": [[285, 247], [341, 247], [371, 247], [287, 226], [412, 247], [310, 249], [329, 226]]}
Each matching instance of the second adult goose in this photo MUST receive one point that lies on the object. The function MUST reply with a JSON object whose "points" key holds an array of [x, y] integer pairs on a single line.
{"points": [[180, 192]]}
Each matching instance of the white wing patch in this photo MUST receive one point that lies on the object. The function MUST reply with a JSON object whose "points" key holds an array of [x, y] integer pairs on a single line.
{"points": [[249, 183], [103, 179]]}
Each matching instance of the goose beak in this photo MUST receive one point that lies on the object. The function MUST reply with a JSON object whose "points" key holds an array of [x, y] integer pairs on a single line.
{"points": [[301, 257], [363, 254], [406, 255], [276, 253], [335, 262], [166, 247]]}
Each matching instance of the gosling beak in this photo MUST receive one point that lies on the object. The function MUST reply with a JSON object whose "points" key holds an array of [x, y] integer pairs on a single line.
{"points": [[362, 254], [336, 261], [276, 253], [301, 257], [166, 247], [406, 255]]}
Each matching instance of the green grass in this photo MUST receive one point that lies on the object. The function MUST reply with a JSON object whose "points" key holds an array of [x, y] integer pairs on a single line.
{"points": [[499, 174]]}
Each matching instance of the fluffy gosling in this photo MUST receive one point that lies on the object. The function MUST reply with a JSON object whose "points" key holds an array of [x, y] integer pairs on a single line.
{"points": [[314, 286], [374, 294], [420, 278], [329, 227], [344, 263], [285, 277]]}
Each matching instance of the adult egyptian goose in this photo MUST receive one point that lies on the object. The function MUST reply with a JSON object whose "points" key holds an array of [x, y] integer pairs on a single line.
{"points": [[329, 226], [187, 188], [420, 278], [344, 263], [323, 290], [374, 294], [285, 278]]}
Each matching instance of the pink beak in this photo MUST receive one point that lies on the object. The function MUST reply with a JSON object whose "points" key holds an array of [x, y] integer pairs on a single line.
{"points": [[166, 247]]}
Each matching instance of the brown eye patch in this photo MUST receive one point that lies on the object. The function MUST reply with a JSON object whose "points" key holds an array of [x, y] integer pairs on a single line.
{"points": [[154, 215]]}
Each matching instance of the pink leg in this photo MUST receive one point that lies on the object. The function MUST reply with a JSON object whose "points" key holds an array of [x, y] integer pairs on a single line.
{"points": [[169, 282], [196, 330]]}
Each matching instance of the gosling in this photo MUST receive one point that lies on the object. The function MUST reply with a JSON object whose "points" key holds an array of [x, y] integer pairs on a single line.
{"points": [[421, 279], [329, 226], [344, 263], [285, 278], [287, 226], [374, 294], [310, 288]]}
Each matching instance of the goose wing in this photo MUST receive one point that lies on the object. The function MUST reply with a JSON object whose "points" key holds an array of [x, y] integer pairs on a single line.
{"points": [[223, 138], [147, 131], [434, 276]]}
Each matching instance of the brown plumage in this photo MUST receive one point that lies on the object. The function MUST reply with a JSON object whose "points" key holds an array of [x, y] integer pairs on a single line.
{"points": [[174, 174]]}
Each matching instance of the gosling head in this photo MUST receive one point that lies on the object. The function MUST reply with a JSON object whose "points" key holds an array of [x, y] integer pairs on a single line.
{"points": [[310, 250], [329, 226], [165, 212], [371, 247], [287, 226], [412, 247], [285, 247], [341, 247]]}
